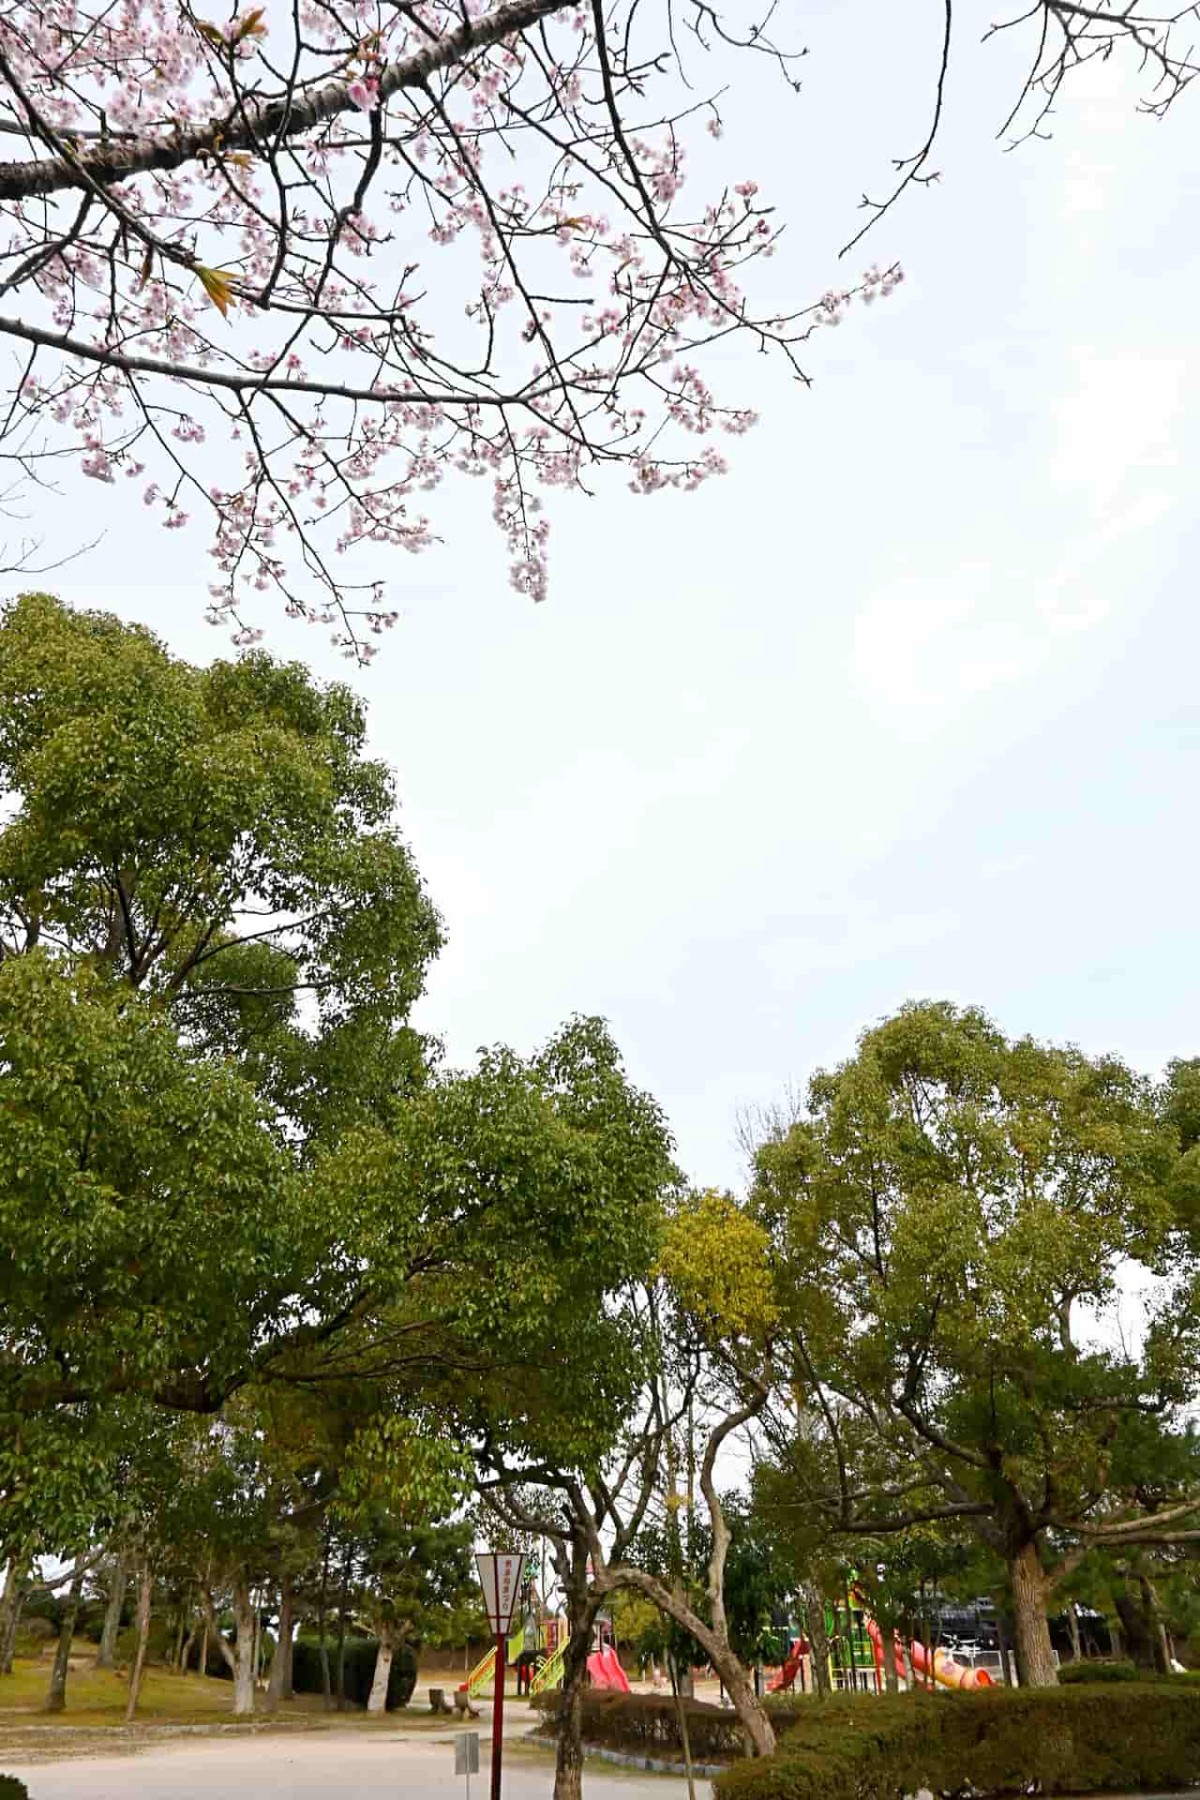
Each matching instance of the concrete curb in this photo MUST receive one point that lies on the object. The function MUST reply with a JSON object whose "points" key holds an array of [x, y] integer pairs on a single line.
{"points": [[625, 1759]]}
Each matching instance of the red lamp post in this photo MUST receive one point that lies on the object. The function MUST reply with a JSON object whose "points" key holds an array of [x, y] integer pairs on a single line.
{"points": [[500, 1578]]}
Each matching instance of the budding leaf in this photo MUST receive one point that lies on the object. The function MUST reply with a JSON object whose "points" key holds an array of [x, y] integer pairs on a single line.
{"points": [[253, 25], [218, 285]]}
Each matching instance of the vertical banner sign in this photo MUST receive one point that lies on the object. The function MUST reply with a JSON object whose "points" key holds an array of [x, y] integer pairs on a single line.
{"points": [[500, 1579]]}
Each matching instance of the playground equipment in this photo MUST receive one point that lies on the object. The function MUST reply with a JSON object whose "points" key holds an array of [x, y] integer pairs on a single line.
{"points": [[786, 1678], [550, 1674], [856, 1656], [483, 1672], [605, 1669], [537, 1649], [949, 1673]]}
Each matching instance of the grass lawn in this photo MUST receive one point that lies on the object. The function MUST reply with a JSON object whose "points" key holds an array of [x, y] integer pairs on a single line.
{"points": [[96, 1698], [94, 1720]]}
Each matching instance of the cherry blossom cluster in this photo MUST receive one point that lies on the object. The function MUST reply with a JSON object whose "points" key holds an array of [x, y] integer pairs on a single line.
{"points": [[287, 270]]}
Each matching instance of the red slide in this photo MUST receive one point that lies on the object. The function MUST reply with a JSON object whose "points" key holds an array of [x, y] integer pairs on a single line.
{"points": [[604, 1667], [791, 1667]]}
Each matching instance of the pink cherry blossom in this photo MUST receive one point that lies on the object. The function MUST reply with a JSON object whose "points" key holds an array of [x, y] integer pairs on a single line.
{"points": [[291, 272]]}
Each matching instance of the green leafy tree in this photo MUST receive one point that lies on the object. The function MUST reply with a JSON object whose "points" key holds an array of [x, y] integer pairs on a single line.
{"points": [[226, 1156], [412, 1574], [953, 1212]]}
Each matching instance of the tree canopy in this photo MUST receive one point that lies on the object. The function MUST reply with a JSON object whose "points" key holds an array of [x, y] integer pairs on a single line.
{"points": [[957, 1216], [226, 1159]]}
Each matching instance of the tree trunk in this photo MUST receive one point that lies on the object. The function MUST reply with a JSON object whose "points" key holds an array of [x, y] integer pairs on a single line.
{"points": [[818, 1640], [238, 1656], [10, 1607], [685, 1741], [1031, 1627], [106, 1655], [1073, 1628], [185, 1655], [582, 1609], [891, 1680], [377, 1698], [56, 1698], [322, 1607], [1160, 1649], [726, 1665], [279, 1687], [243, 1662], [1003, 1645], [343, 1597], [1139, 1642], [145, 1594]]}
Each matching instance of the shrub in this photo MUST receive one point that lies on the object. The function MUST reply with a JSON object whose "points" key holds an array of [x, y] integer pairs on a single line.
{"points": [[159, 1643], [1074, 1673], [12, 1789], [32, 1634], [1104, 1670], [1081, 1739], [649, 1724], [360, 1670]]}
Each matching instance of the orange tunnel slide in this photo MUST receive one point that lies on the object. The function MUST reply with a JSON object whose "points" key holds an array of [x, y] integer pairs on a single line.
{"points": [[949, 1673]]}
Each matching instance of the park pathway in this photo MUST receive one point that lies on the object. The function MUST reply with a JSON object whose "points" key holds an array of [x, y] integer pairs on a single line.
{"points": [[348, 1765]]}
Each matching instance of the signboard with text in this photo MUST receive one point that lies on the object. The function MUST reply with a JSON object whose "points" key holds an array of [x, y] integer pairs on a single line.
{"points": [[500, 1577]]}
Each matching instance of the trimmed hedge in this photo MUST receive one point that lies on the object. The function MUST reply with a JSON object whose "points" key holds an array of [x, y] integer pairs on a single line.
{"points": [[1072, 1674], [1082, 1739], [649, 1724], [12, 1789], [360, 1670], [1103, 1670]]}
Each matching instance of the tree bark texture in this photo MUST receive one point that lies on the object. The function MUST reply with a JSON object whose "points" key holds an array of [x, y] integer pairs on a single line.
{"points": [[1031, 1626], [818, 1639], [10, 1608], [238, 1656], [106, 1655], [891, 1680], [279, 1686], [377, 1698], [243, 1666]]}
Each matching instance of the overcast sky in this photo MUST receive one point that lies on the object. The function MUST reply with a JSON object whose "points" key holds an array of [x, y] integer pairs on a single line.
{"points": [[904, 707]]}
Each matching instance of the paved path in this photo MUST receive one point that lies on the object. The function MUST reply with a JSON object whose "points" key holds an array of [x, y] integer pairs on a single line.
{"points": [[318, 1766]]}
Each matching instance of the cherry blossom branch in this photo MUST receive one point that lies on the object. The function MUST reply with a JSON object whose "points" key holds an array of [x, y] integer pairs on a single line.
{"points": [[281, 119]]}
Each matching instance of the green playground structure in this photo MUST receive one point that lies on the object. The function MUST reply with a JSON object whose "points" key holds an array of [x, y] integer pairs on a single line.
{"points": [[852, 1661], [550, 1673], [483, 1674]]}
